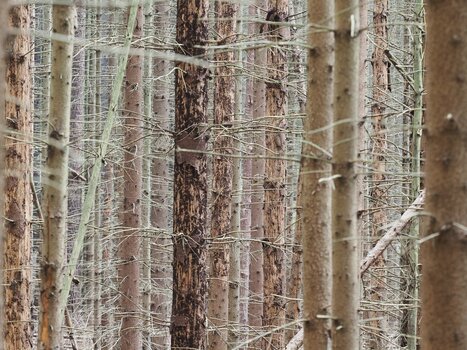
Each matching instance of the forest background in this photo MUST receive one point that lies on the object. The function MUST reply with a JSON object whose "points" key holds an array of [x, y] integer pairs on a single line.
{"points": [[233, 174]]}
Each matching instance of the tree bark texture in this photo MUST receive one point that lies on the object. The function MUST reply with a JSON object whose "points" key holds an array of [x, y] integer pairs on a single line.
{"points": [[3, 35], [444, 249], [75, 184], [188, 325], [315, 194], [274, 183], [255, 305], [17, 190], [161, 270], [129, 245], [346, 289], [224, 111], [376, 288], [55, 181]]}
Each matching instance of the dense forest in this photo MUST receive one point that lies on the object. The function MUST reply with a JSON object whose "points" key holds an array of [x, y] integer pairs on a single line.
{"points": [[233, 174]]}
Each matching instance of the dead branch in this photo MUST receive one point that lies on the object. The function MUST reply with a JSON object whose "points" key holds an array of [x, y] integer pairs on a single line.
{"points": [[296, 342], [393, 232]]}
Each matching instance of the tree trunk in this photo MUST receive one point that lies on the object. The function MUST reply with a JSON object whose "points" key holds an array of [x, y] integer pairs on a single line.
{"points": [[297, 94], [75, 184], [255, 307], [188, 326], [443, 251], [107, 277], [146, 245], [76, 150], [245, 261], [17, 195], [97, 282], [376, 288], [234, 277], [161, 199], [129, 246], [55, 181], [224, 111], [412, 314], [274, 183], [3, 35], [345, 292], [315, 194]]}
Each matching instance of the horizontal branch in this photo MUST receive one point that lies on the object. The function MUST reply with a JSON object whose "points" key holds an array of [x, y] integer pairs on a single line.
{"points": [[393, 232]]}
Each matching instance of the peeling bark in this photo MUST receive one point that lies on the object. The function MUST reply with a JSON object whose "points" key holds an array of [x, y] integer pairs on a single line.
{"points": [[188, 325], [274, 182], [17, 190], [224, 104]]}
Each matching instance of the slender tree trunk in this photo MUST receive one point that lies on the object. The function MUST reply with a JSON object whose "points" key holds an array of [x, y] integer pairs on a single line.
{"points": [[17, 191], [255, 307], [55, 181], [315, 194], [235, 222], [129, 246], [245, 260], [77, 124], [224, 111], [274, 183], [378, 192], [161, 252], [245, 223], [99, 306], [108, 272], [147, 239], [88, 288], [297, 94], [443, 251], [412, 246], [107, 319], [188, 327], [345, 292], [3, 31], [76, 150]]}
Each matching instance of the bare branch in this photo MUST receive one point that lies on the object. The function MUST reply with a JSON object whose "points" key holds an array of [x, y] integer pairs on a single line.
{"points": [[393, 232]]}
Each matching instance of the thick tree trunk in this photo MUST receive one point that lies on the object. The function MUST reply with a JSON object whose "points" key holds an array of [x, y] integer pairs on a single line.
{"points": [[17, 191], [274, 183], [129, 246], [188, 326], [55, 181], [346, 289], [224, 111], [315, 194], [443, 251]]}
